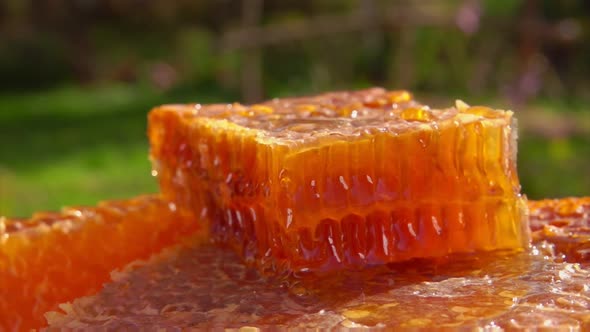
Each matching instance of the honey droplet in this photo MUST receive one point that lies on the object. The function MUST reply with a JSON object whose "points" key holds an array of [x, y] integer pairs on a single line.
{"points": [[263, 109], [356, 314], [306, 109], [416, 322], [400, 96], [416, 114], [485, 112]]}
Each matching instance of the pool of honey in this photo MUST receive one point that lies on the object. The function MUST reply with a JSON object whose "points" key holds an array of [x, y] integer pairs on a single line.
{"points": [[204, 286]]}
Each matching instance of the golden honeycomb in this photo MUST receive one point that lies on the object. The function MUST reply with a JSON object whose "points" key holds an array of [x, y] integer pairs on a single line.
{"points": [[56, 257], [344, 178]]}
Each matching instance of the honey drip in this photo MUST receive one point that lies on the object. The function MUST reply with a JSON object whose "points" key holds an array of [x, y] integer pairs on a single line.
{"points": [[344, 179]]}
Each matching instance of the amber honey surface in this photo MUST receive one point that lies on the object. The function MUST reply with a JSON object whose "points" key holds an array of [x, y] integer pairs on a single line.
{"points": [[344, 179], [206, 287], [56, 257], [565, 224]]}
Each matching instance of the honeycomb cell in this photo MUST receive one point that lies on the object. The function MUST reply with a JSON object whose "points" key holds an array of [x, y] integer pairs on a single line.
{"points": [[56, 257], [344, 178], [563, 224]]}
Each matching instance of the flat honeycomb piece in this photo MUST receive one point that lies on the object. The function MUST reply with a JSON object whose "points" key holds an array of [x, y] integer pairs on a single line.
{"points": [[209, 288], [565, 225], [344, 178], [56, 257]]}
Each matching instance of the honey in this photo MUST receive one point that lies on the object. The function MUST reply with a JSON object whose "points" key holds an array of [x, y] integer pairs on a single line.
{"points": [[378, 212], [56, 257], [344, 179], [565, 224], [202, 286]]}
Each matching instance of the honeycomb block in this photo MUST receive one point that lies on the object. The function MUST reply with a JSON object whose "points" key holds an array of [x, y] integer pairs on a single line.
{"points": [[56, 257], [344, 178]]}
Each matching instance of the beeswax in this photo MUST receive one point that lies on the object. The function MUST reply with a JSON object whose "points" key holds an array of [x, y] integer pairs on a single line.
{"points": [[345, 178]]}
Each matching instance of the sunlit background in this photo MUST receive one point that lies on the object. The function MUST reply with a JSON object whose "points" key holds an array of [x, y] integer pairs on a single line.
{"points": [[77, 77]]}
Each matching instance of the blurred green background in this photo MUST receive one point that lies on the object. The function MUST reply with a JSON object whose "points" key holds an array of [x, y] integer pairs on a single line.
{"points": [[79, 76]]}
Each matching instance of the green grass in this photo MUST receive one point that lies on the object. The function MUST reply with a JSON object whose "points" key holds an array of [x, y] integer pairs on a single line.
{"points": [[81, 177], [551, 168], [74, 146]]}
